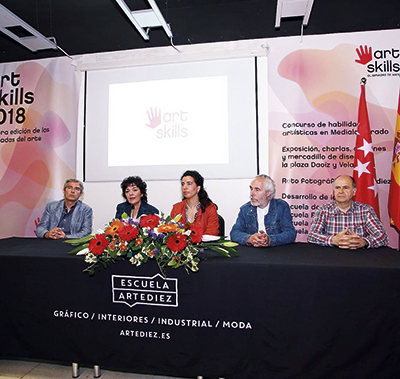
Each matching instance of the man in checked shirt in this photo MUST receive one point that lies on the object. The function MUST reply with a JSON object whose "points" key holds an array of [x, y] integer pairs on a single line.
{"points": [[346, 223]]}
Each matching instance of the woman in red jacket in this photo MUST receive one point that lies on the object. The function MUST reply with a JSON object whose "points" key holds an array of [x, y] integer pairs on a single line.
{"points": [[196, 206]]}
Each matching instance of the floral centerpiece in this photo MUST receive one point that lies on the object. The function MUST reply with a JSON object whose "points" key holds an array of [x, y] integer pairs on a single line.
{"points": [[169, 242]]}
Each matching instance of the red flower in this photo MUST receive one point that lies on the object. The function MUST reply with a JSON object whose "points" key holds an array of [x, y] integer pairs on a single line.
{"points": [[150, 221], [98, 243], [177, 242], [128, 233], [196, 234]]}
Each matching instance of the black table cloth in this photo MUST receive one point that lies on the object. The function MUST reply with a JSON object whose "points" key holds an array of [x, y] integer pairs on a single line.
{"points": [[294, 311]]}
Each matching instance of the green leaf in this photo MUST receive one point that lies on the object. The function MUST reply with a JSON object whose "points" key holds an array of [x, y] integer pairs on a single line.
{"points": [[233, 251], [177, 217], [230, 244], [78, 248], [124, 216], [78, 241], [172, 263], [220, 250], [164, 249], [113, 254]]}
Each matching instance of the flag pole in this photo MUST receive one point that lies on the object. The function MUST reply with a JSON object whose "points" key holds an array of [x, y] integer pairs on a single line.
{"points": [[394, 189], [364, 172]]}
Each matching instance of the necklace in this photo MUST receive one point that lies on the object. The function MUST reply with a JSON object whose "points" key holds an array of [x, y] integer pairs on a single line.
{"points": [[193, 206]]}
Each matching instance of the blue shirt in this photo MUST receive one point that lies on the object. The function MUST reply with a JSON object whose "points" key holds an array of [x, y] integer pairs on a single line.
{"points": [[65, 220]]}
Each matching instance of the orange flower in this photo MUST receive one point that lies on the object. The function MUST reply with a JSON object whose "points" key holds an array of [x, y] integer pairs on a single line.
{"points": [[112, 244], [115, 227], [139, 241], [168, 228]]}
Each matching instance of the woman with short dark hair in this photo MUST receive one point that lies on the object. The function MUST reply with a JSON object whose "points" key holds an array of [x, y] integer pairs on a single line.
{"points": [[134, 191]]}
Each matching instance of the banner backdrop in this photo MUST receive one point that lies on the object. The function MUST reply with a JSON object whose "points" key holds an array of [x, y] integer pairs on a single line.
{"points": [[314, 91], [38, 131]]}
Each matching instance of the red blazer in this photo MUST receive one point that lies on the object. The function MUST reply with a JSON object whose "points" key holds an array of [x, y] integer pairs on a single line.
{"points": [[207, 220]]}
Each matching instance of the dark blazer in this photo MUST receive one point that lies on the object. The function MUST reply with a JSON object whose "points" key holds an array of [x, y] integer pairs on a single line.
{"points": [[145, 209]]}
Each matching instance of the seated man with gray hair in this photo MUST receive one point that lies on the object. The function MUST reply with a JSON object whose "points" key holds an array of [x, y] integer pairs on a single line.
{"points": [[66, 218], [264, 220]]}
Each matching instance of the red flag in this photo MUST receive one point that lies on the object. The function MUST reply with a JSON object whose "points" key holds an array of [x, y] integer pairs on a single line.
{"points": [[394, 191], [364, 159]]}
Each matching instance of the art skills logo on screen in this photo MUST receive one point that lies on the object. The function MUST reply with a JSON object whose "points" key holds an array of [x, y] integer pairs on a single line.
{"points": [[168, 124], [385, 62]]}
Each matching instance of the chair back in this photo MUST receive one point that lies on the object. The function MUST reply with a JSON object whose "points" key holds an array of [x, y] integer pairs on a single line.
{"points": [[221, 229]]}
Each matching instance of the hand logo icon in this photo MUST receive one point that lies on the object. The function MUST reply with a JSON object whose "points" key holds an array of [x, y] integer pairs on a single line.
{"points": [[154, 117], [365, 54]]}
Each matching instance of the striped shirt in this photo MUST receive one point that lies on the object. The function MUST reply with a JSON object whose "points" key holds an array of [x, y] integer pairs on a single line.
{"points": [[360, 218]]}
